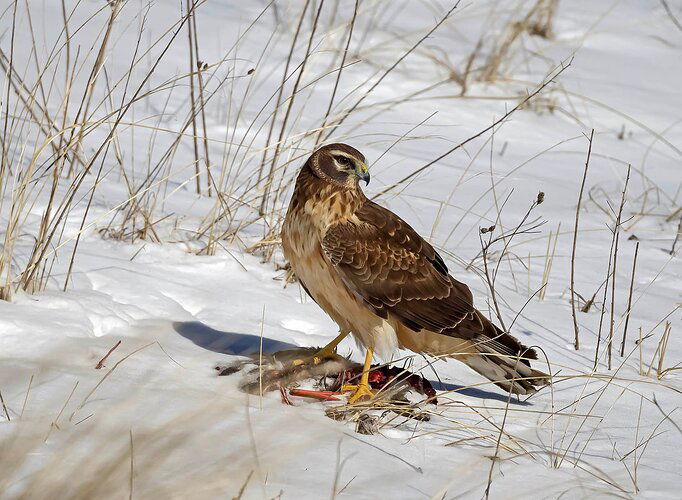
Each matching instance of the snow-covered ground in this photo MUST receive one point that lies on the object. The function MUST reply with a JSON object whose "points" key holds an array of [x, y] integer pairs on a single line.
{"points": [[157, 421]]}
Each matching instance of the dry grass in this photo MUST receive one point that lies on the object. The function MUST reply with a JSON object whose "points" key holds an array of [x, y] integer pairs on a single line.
{"points": [[128, 462], [71, 117], [72, 122]]}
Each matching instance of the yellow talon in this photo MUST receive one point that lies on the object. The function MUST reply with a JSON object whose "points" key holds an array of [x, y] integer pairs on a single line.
{"points": [[361, 392], [316, 359], [362, 389], [328, 351]]}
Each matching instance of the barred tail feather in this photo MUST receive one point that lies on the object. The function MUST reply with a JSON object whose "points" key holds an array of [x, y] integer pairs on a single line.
{"points": [[511, 373]]}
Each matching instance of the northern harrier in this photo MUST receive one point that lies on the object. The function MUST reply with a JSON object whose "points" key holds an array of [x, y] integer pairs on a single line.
{"points": [[379, 280]]}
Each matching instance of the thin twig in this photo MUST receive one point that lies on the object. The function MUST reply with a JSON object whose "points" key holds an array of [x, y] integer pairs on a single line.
{"points": [[576, 342], [100, 364], [615, 266], [677, 236], [132, 467], [338, 75], [290, 105], [670, 15], [4, 407], [28, 392], [190, 37], [629, 309], [200, 68], [499, 439], [278, 102]]}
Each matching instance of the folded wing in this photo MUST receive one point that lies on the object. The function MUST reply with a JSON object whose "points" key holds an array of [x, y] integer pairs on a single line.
{"points": [[392, 269]]}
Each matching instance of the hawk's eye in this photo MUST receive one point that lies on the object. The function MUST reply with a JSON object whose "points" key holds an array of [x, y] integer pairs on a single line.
{"points": [[342, 160]]}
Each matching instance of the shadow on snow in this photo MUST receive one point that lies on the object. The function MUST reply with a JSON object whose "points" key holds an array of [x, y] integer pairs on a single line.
{"points": [[244, 344]]}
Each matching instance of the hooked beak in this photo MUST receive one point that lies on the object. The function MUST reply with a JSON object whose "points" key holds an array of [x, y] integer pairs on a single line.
{"points": [[362, 172]]}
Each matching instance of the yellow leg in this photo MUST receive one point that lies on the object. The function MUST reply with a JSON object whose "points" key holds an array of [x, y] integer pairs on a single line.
{"points": [[362, 390], [326, 352]]}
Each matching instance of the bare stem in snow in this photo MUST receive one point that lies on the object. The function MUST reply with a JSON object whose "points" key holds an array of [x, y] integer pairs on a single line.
{"points": [[615, 265], [190, 39], [4, 407], [278, 103], [100, 364], [627, 317], [677, 236], [338, 75], [576, 341]]}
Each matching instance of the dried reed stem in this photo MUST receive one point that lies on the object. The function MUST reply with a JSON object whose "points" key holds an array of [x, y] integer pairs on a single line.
{"points": [[192, 68], [576, 331], [663, 347], [549, 261], [4, 407], [678, 235], [200, 68], [100, 363], [615, 267], [338, 75], [278, 103], [290, 104], [629, 309], [4, 161]]}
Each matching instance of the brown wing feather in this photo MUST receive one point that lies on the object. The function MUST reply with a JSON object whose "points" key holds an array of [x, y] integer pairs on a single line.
{"points": [[385, 262], [393, 269]]}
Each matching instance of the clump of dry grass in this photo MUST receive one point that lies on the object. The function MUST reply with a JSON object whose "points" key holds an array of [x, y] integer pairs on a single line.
{"points": [[537, 21], [72, 445], [501, 47], [61, 153], [73, 124], [204, 451]]}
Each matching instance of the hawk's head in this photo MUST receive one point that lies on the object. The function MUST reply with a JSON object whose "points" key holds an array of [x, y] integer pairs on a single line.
{"points": [[339, 164]]}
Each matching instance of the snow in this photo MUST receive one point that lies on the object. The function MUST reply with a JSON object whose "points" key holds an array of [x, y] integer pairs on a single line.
{"points": [[158, 404]]}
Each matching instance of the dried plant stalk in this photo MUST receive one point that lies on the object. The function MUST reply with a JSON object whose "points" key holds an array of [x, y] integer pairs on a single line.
{"points": [[576, 331], [629, 309]]}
